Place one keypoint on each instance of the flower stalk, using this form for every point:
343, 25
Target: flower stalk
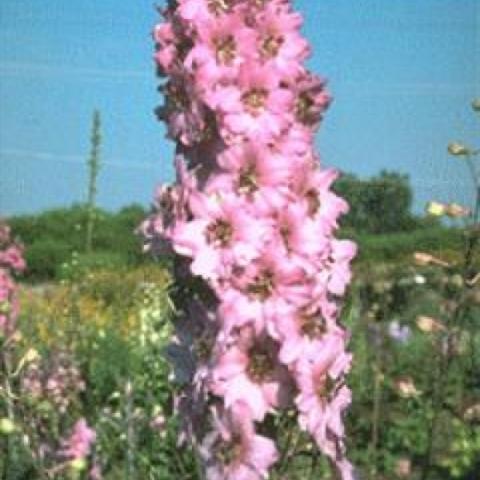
251, 220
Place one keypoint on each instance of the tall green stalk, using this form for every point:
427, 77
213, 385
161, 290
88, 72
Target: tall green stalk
93, 171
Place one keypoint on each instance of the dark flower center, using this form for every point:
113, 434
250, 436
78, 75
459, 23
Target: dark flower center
228, 452
176, 97
219, 232
313, 200
225, 49
303, 108
313, 325
254, 100
219, 6
326, 387
203, 346
261, 364
247, 182
262, 286
271, 45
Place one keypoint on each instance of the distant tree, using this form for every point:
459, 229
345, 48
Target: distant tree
93, 170
379, 204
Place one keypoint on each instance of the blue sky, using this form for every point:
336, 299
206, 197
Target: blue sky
402, 72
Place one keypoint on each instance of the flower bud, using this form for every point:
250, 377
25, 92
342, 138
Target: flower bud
4, 307
457, 280
454, 210
158, 423
7, 427
78, 464
472, 413
436, 209
31, 355
403, 468
429, 324
406, 388
423, 259
17, 337
457, 149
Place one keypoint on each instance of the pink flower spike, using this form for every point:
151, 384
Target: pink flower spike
80, 442
251, 219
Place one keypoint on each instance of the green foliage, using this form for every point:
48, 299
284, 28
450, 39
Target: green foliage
45, 257
397, 246
53, 236
380, 204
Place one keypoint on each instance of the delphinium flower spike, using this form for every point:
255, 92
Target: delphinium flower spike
252, 220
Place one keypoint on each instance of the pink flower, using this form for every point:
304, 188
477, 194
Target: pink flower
11, 261
257, 107
251, 367
4, 234
323, 205
263, 291
183, 111
12, 258
80, 442
197, 11
95, 472
302, 234
279, 41
233, 451
167, 52
340, 272
254, 165
312, 99
223, 45
323, 397
221, 234
158, 423
302, 333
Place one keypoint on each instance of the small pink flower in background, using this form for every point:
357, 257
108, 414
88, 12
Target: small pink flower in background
11, 263
158, 423
403, 467
12, 258
55, 378
95, 472
79, 444
4, 234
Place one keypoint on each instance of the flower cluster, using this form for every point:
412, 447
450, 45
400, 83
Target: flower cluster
56, 379
78, 446
252, 218
11, 263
